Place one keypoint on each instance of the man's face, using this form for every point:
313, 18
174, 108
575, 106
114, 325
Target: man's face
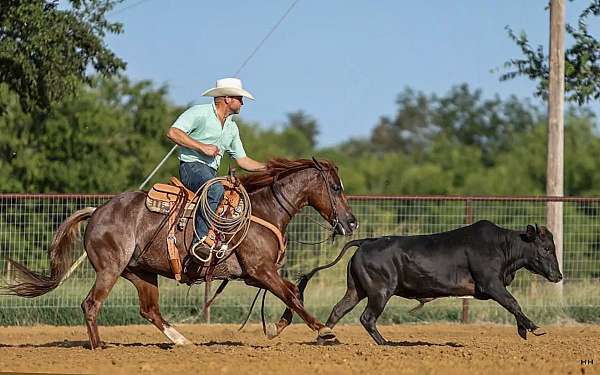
234, 103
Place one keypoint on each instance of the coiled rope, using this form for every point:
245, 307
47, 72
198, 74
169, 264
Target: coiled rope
227, 227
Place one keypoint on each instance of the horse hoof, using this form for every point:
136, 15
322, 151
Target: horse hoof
323, 342
271, 331
183, 342
326, 333
538, 332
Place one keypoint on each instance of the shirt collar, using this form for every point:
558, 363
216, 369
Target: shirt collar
227, 119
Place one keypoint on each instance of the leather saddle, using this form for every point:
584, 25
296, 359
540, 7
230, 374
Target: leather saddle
179, 203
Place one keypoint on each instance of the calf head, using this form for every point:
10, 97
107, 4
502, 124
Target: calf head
541, 256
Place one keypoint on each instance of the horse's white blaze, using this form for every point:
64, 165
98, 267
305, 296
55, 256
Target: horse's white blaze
176, 337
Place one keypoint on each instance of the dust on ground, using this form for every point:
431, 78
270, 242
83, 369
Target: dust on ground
221, 349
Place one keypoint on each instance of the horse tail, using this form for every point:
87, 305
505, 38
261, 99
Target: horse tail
304, 279
30, 284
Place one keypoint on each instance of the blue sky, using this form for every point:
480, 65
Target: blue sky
342, 62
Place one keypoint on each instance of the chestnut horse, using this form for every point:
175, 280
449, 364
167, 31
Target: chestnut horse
123, 238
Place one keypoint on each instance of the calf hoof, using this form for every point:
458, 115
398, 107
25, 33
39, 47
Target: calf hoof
522, 332
271, 331
538, 331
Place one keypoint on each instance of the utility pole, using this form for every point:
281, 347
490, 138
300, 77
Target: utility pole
556, 94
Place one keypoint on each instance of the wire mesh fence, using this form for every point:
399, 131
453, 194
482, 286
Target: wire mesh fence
28, 222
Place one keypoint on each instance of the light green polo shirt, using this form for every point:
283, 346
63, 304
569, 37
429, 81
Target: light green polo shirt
201, 123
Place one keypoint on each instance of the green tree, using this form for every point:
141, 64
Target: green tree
106, 138
462, 116
304, 124
46, 52
582, 61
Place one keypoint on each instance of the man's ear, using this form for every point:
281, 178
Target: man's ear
529, 235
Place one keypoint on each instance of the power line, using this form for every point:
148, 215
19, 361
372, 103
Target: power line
259, 45
117, 11
266, 37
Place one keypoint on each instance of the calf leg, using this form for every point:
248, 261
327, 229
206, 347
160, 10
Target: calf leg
353, 295
147, 287
347, 303
499, 294
343, 307
375, 306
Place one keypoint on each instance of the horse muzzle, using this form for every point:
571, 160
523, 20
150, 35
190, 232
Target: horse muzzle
346, 227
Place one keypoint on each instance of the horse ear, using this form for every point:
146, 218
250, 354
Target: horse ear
319, 166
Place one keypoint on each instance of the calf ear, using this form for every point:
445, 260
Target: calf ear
529, 234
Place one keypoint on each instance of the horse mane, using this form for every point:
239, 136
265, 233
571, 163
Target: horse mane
257, 180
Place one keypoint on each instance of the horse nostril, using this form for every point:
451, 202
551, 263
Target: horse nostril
352, 223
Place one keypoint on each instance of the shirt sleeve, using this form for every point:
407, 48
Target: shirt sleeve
236, 148
187, 121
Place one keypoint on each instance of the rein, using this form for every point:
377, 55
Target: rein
283, 202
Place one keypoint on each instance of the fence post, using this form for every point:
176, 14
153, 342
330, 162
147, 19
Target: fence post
555, 155
206, 309
468, 220
9, 272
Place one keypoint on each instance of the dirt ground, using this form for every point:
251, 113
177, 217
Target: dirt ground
220, 349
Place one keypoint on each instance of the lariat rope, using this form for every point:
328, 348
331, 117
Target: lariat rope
228, 227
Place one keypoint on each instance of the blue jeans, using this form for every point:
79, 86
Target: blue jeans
193, 175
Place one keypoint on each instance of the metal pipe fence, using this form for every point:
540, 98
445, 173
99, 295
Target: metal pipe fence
28, 222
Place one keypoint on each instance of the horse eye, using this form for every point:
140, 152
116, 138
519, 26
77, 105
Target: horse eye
336, 188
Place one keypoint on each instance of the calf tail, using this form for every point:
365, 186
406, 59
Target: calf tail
304, 279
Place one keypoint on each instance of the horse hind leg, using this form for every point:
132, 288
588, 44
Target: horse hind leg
91, 305
146, 284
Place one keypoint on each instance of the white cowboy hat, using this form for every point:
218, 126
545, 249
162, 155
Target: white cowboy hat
228, 87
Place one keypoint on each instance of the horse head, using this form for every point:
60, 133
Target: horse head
327, 196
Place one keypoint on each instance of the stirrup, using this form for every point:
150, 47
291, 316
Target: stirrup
193, 252
221, 252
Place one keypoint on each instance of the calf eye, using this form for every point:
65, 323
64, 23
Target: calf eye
336, 188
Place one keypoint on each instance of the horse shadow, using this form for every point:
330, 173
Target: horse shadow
391, 343
422, 343
86, 345
108, 345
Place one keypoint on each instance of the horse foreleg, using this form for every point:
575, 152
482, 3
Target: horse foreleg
280, 288
275, 329
146, 284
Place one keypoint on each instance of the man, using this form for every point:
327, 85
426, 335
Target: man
203, 133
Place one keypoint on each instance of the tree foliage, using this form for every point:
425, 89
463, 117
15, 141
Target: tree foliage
46, 52
582, 60
109, 136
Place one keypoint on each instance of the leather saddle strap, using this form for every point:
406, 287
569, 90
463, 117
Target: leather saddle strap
275, 231
172, 249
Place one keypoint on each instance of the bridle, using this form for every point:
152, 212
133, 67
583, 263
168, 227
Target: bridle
285, 203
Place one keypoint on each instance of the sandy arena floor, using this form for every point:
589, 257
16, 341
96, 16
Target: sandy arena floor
220, 349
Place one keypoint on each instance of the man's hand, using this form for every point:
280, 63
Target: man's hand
250, 164
210, 150
184, 140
